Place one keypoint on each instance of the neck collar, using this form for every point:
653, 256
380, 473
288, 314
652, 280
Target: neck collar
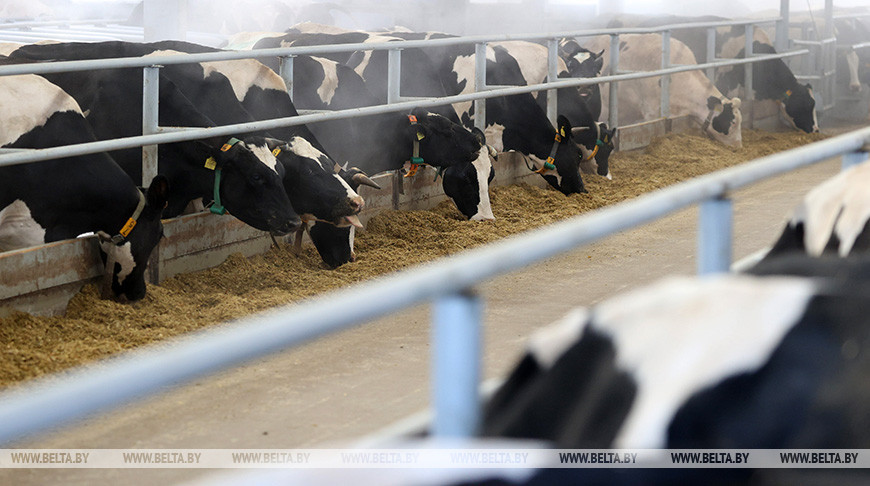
121, 237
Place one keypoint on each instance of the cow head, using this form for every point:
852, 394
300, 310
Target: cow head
333, 243
314, 186
799, 108
248, 182
595, 147
464, 157
725, 121
126, 252
581, 62
562, 168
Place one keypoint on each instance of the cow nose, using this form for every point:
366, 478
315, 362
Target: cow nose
357, 203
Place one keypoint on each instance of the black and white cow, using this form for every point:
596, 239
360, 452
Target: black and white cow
769, 361
855, 64
59, 199
772, 80
691, 93
385, 142
832, 218
244, 173
583, 63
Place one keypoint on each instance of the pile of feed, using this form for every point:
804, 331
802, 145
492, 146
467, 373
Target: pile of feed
94, 328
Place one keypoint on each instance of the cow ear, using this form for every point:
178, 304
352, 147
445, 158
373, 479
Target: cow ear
479, 135
158, 192
564, 127
713, 102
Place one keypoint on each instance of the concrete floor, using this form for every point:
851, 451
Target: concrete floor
359, 381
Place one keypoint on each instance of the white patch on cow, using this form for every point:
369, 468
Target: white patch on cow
532, 59
350, 236
351, 194
303, 148
244, 41
547, 344
582, 57
840, 205
264, 155
241, 73
315, 28
482, 166
327, 88
684, 334
18, 229
121, 255
494, 136
463, 66
27, 102
367, 56
852, 62
537, 163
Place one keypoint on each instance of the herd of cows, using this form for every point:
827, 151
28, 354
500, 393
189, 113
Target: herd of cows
305, 177
799, 323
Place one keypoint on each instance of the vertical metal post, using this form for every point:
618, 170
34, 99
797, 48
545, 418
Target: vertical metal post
853, 158
552, 75
714, 236
747, 71
613, 117
150, 110
285, 70
666, 79
782, 27
394, 75
480, 85
456, 364
711, 52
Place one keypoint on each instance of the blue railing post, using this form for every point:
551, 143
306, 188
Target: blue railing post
285, 70
714, 236
613, 90
666, 79
480, 85
552, 75
150, 110
456, 336
394, 75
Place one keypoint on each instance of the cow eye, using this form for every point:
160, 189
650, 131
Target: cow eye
256, 177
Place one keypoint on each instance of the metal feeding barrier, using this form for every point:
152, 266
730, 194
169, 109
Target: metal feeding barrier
44, 403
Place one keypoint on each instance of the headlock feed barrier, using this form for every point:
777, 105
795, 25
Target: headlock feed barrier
42, 403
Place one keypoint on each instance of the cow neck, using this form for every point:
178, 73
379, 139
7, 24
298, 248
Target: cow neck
416, 161
710, 116
210, 163
549, 164
121, 236
785, 96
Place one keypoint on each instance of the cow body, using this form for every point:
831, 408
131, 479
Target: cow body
691, 93
59, 199
831, 219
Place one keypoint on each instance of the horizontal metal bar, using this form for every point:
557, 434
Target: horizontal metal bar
46, 23
33, 406
311, 112
67, 66
227, 130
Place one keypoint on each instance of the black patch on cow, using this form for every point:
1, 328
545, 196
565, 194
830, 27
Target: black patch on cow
722, 122
586, 414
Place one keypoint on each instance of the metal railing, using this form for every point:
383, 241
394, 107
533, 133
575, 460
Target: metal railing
153, 134
448, 283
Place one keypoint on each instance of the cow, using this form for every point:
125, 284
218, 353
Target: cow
594, 139
59, 199
691, 92
831, 219
583, 63
242, 173
772, 80
771, 360
855, 64
385, 142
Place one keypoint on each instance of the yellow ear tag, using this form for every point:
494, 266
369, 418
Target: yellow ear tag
210, 163
276, 151
420, 136
128, 227
788, 92
562, 131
